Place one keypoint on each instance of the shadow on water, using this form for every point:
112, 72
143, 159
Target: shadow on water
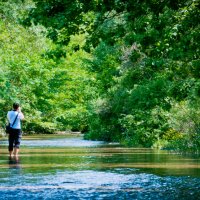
72, 168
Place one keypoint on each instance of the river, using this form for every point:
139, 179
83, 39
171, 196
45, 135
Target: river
68, 167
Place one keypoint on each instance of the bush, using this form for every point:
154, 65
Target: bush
185, 121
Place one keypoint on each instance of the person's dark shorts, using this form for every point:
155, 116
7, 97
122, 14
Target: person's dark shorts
14, 139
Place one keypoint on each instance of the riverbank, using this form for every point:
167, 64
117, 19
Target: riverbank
181, 146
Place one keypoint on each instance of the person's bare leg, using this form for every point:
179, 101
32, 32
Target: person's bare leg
10, 153
16, 157
16, 151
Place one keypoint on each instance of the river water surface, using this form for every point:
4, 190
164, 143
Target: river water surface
68, 167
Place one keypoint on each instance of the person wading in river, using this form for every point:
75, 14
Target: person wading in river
15, 116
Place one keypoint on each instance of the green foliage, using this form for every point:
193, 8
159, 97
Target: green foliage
172, 134
158, 66
48, 80
22, 67
188, 143
184, 119
102, 123
138, 84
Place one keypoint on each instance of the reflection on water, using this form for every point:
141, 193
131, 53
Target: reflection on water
46, 169
69, 142
59, 142
14, 162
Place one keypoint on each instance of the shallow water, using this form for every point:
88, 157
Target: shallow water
68, 167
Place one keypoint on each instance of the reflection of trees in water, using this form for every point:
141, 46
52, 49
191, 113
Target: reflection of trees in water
14, 162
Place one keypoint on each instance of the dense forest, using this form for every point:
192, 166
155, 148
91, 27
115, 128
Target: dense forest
124, 71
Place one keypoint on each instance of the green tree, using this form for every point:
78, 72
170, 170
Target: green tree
144, 56
48, 79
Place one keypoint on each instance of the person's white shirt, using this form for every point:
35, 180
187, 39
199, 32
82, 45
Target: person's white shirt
11, 118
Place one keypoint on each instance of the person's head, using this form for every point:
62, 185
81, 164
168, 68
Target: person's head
15, 106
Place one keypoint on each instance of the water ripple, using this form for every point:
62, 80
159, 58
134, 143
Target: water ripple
99, 185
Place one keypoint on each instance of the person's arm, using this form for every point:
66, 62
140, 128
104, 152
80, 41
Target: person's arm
21, 115
8, 116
